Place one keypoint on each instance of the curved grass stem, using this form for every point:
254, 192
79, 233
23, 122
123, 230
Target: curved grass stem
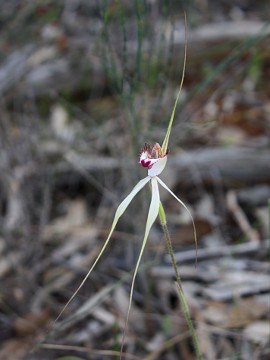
163, 221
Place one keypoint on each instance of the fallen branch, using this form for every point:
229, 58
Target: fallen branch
229, 165
216, 252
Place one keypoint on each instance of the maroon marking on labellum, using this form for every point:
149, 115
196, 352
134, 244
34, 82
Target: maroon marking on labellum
145, 163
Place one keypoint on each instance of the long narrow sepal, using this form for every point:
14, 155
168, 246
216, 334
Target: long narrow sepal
167, 136
119, 212
183, 204
152, 215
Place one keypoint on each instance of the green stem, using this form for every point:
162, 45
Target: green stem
163, 221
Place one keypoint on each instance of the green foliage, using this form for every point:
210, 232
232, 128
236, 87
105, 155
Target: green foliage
166, 326
255, 69
50, 12
43, 104
142, 61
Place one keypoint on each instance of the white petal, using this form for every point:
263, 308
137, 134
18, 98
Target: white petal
154, 207
153, 161
119, 212
181, 202
158, 167
143, 156
124, 204
152, 215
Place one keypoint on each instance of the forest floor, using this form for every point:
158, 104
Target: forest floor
83, 86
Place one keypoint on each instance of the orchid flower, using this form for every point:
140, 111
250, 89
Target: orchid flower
154, 159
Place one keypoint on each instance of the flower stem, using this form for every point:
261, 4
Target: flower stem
163, 221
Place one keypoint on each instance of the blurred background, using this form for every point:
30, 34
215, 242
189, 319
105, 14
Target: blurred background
83, 85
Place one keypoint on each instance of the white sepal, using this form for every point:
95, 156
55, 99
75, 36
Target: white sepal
119, 212
152, 215
157, 167
124, 204
183, 204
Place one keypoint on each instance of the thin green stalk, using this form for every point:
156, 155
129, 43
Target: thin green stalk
163, 221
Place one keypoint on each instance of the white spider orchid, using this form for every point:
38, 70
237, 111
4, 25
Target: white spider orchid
155, 160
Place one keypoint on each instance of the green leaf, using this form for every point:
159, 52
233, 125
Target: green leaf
167, 136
